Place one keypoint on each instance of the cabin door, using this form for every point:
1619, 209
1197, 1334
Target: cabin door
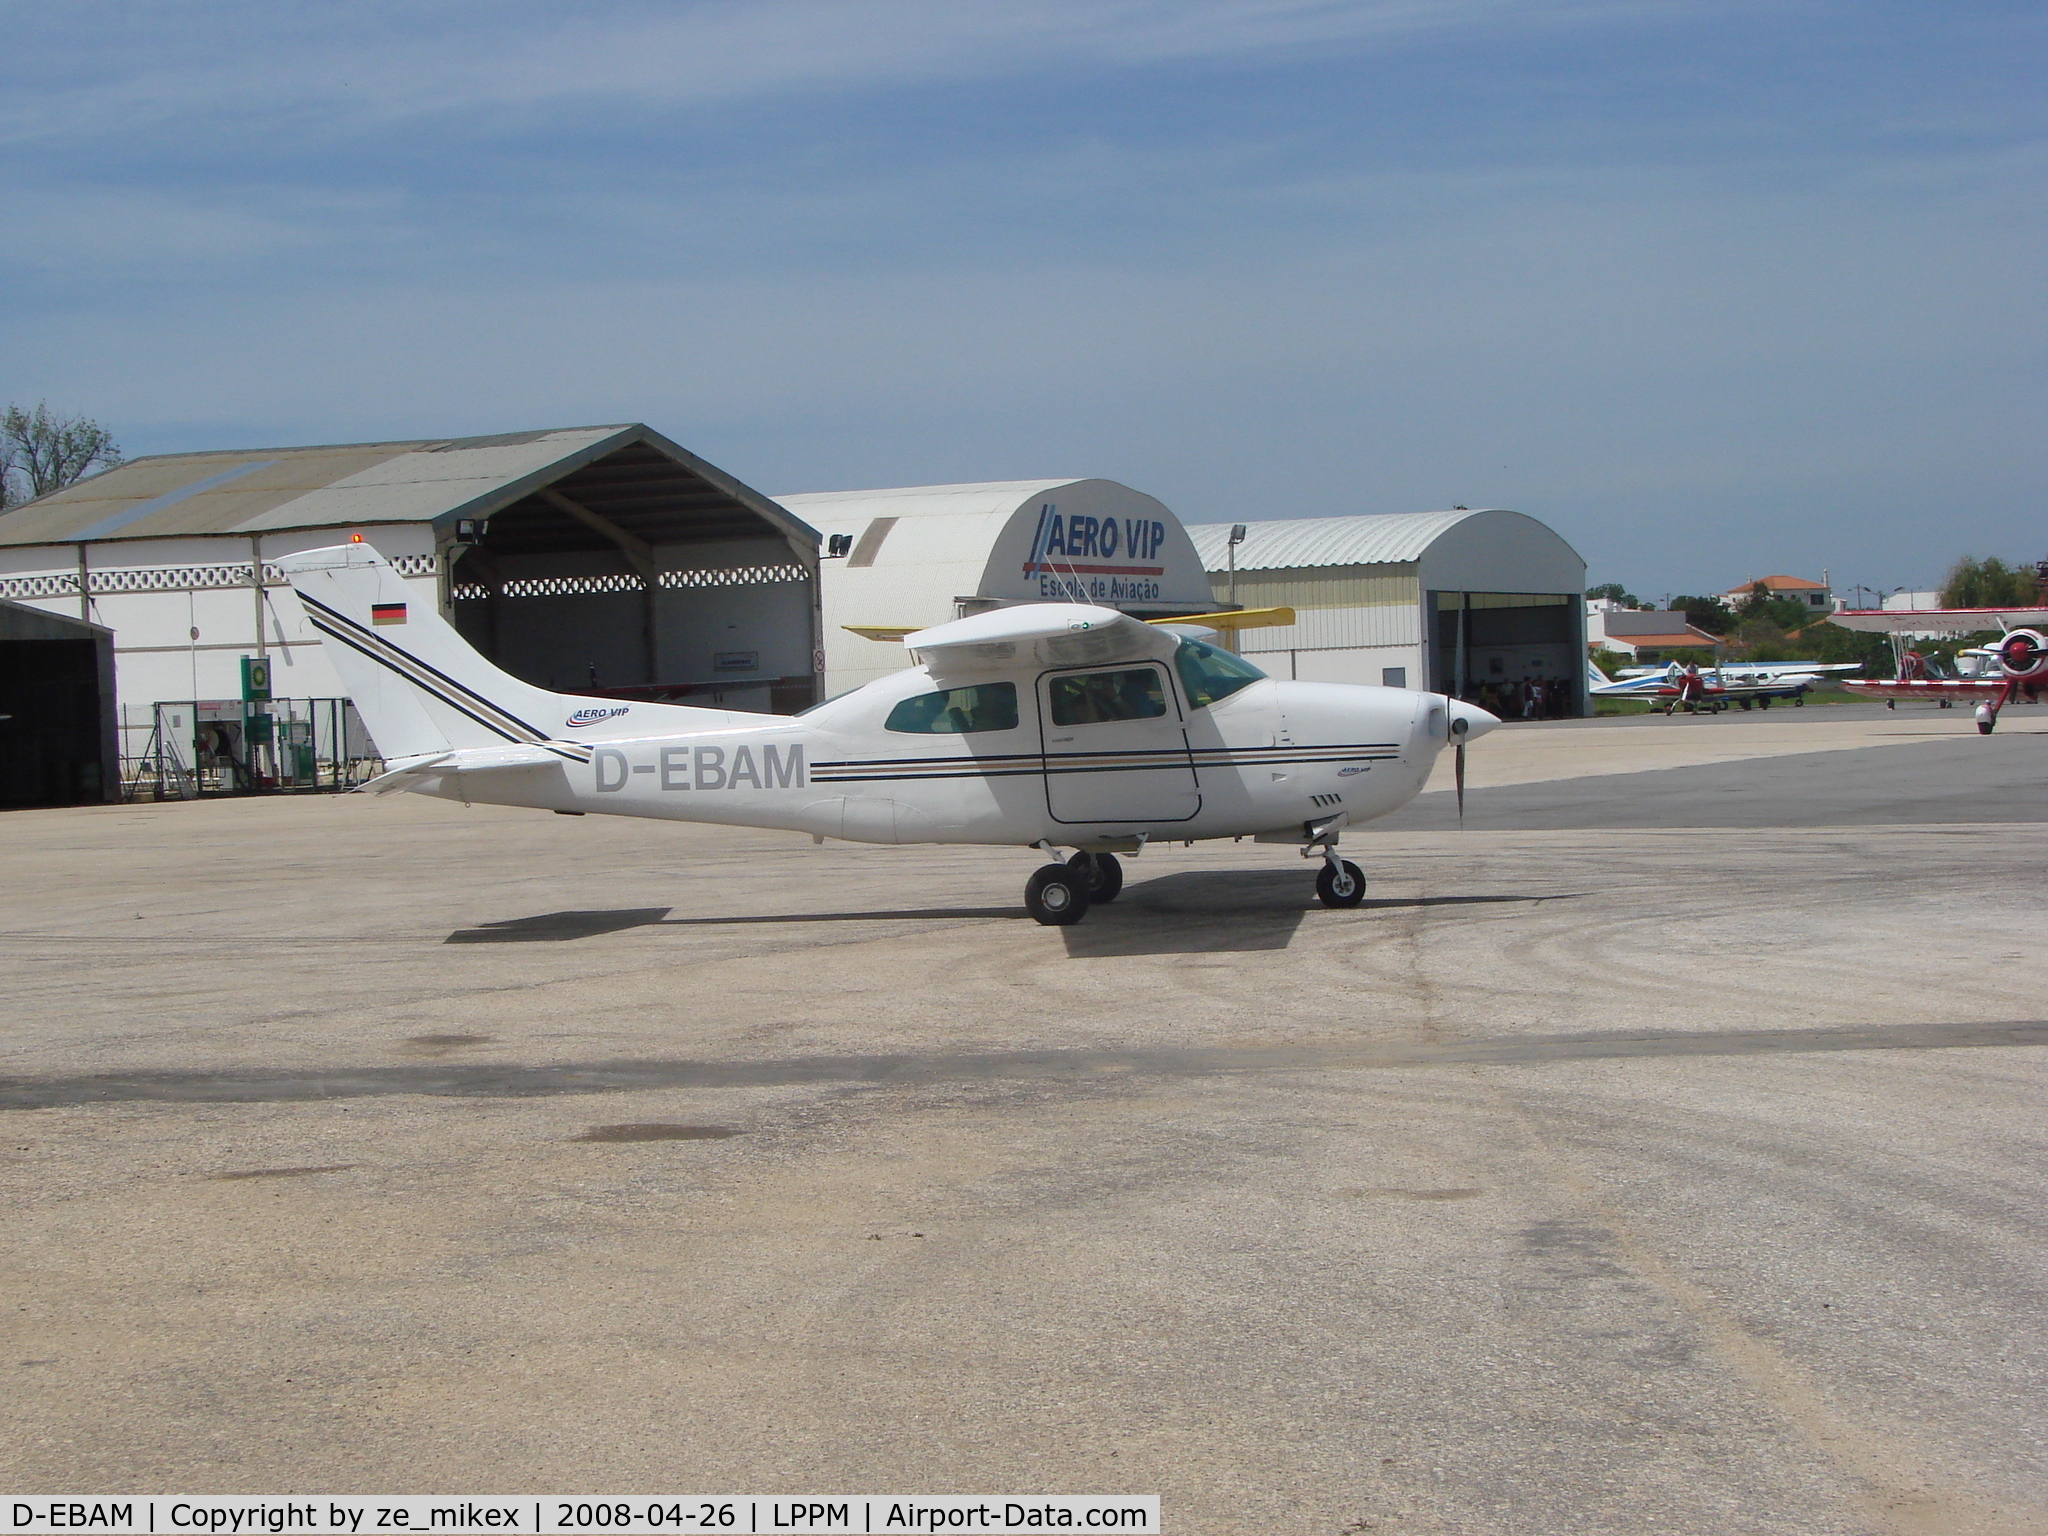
1115, 747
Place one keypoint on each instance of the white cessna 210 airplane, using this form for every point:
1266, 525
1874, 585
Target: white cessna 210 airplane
1045, 725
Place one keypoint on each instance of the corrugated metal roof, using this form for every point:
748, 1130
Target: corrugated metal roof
958, 523
984, 498
1297, 542
267, 490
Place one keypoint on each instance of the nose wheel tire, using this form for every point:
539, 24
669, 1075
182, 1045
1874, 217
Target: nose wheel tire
1056, 895
1341, 884
1103, 874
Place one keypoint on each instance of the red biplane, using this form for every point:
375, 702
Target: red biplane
2017, 664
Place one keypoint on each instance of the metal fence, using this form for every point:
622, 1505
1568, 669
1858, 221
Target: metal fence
228, 747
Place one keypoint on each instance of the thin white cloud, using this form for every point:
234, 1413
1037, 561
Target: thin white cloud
396, 60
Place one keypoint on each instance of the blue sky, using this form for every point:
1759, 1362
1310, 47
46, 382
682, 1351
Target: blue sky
1715, 289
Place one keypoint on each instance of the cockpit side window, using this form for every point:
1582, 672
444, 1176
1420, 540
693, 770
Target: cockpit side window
957, 711
1209, 674
1093, 698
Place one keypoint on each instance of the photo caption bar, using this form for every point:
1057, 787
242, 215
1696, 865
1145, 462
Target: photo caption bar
563, 1514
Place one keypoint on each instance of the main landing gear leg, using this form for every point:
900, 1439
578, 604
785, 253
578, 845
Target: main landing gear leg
1104, 873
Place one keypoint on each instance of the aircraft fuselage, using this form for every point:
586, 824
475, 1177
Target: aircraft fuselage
1275, 754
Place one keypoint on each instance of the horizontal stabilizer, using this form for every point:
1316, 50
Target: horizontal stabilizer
470, 760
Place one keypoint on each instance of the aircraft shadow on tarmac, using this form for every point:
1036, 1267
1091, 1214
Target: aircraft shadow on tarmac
553, 927
1204, 911
1189, 913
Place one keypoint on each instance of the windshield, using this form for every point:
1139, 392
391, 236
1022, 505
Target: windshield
1209, 674
822, 703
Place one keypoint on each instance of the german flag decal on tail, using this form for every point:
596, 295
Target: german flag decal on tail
387, 613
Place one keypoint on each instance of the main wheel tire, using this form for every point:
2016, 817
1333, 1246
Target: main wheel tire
1056, 895
1984, 727
1341, 885
1103, 872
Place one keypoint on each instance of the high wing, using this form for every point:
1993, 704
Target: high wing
1938, 621
1041, 634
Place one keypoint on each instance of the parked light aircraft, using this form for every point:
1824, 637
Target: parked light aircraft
2020, 656
1743, 683
1755, 671
1045, 725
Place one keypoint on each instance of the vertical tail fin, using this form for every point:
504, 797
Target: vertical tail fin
420, 687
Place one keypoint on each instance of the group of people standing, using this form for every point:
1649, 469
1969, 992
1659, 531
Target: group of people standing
1533, 698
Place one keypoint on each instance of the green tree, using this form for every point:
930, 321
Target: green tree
1780, 613
1990, 583
1614, 592
41, 452
1708, 613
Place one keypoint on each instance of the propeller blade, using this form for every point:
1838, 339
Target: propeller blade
1458, 769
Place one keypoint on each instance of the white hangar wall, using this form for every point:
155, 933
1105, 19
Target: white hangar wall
921, 555
570, 556
185, 611
1409, 599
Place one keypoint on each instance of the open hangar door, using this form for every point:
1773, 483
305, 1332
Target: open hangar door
56, 710
1484, 642
644, 574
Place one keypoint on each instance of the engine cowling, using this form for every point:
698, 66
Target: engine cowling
2023, 656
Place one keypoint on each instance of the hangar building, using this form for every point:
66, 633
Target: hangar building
57, 740
1448, 601
921, 555
589, 557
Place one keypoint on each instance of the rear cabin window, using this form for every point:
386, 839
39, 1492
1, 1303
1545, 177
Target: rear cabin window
1209, 674
1093, 698
957, 711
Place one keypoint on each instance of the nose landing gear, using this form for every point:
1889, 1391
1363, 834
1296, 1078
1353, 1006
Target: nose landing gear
1339, 883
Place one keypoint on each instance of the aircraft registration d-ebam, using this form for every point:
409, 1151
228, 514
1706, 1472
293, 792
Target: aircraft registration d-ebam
1044, 725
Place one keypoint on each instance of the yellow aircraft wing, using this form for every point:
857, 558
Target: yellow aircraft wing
1235, 618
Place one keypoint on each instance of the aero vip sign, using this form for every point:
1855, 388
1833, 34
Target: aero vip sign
1076, 557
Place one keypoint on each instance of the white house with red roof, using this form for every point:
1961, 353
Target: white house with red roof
1813, 594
